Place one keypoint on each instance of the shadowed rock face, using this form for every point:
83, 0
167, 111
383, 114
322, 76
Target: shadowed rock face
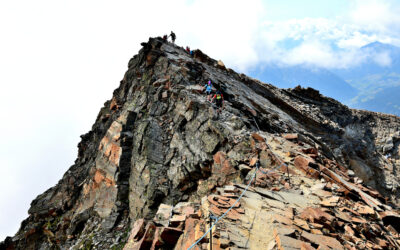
159, 159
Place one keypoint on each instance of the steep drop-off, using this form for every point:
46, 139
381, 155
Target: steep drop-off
159, 159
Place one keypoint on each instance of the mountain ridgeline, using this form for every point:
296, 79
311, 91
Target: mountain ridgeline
370, 85
159, 161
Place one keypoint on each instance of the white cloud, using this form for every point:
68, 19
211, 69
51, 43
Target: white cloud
373, 15
356, 40
333, 43
309, 52
383, 59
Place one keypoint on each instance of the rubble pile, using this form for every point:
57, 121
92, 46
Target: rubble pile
322, 209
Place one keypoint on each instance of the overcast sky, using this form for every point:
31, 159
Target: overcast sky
61, 60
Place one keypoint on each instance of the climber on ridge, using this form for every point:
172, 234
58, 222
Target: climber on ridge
208, 89
173, 36
165, 37
219, 101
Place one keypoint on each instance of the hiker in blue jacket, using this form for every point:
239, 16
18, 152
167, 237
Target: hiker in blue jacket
208, 89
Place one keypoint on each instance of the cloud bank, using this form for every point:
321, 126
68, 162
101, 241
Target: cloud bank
332, 43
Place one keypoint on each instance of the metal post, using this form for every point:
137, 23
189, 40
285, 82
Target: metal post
287, 166
210, 232
255, 175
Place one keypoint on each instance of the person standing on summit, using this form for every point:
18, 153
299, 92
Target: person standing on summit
173, 37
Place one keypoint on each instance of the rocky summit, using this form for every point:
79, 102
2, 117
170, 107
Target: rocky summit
276, 169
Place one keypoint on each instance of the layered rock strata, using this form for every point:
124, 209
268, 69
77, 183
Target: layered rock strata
159, 160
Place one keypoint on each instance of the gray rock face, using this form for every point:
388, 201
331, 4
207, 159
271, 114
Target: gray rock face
159, 141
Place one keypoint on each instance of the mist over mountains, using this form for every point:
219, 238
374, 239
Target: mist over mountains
372, 85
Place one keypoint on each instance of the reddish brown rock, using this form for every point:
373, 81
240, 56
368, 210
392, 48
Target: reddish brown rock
358, 220
316, 225
222, 169
330, 202
285, 242
303, 164
253, 161
170, 235
369, 200
177, 220
113, 104
258, 137
148, 237
349, 230
215, 210
315, 215
135, 242
288, 213
252, 111
281, 219
138, 229
302, 223
212, 200
382, 243
233, 214
322, 241
219, 157
349, 210
316, 231
343, 216
188, 210
312, 151
240, 210
290, 136
157, 241
365, 210
98, 176
190, 235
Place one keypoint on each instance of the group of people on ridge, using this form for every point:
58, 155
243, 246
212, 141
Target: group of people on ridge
172, 35
218, 97
208, 88
173, 38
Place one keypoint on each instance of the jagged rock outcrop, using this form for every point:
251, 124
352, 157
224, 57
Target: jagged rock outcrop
159, 160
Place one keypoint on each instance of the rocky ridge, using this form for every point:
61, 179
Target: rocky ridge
158, 161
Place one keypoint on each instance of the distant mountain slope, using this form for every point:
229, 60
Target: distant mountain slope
378, 84
385, 101
372, 85
325, 81
383, 70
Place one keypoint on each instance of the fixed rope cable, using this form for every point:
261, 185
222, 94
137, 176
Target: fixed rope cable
217, 219
227, 211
